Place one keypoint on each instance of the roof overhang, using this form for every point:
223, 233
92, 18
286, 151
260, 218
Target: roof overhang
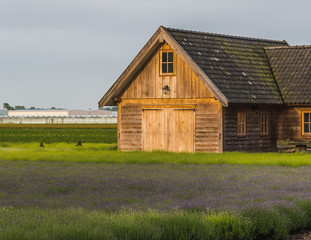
158, 38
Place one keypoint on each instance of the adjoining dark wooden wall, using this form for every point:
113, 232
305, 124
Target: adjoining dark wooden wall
290, 123
253, 141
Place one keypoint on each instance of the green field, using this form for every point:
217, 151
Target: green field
106, 153
47, 133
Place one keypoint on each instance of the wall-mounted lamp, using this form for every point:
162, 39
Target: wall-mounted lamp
166, 90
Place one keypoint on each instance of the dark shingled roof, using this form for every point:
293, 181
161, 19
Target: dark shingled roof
292, 70
238, 66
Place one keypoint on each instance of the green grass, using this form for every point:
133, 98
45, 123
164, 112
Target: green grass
79, 224
98, 152
58, 133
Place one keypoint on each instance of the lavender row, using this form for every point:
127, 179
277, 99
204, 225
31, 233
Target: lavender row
112, 187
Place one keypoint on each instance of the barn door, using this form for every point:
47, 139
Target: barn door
180, 130
168, 129
154, 126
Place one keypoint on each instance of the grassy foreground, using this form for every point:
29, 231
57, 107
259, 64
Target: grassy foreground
105, 153
52, 188
78, 224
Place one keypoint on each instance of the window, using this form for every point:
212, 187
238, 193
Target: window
167, 63
241, 124
306, 122
264, 123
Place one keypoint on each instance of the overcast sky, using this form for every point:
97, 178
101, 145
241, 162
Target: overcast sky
67, 53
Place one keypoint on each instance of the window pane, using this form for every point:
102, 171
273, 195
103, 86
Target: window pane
164, 67
164, 57
170, 68
306, 117
306, 128
170, 57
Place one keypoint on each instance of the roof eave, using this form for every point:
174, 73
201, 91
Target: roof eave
155, 41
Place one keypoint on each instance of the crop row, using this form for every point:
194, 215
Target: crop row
58, 134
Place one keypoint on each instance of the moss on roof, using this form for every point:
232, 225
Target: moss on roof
292, 70
238, 66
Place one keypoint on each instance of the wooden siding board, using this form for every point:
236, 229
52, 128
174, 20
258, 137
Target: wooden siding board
207, 129
130, 127
205, 126
253, 141
290, 123
158, 79
148, 83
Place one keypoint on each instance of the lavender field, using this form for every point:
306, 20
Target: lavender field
89, 199
111, 187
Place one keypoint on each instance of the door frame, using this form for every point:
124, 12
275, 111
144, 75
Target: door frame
165, 107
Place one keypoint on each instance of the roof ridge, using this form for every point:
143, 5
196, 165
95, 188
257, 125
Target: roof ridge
225, 35
288, 47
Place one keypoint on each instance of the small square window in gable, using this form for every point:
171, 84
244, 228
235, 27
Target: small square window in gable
167, 63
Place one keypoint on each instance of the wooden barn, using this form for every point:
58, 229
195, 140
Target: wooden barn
201, 92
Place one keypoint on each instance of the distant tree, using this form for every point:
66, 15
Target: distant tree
20, 107
7, 106
53, 108
32, 108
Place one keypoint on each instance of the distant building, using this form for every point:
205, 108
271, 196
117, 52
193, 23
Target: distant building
57, 117
37, 113
57, 113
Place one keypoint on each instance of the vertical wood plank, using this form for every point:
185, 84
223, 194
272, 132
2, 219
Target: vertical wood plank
180, 77
194, 86
187, 82
130, 91
158, 80
152, 79
139, 85
119, 126
173, 92
135, 86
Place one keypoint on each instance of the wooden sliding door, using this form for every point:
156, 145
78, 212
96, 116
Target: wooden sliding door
168, 129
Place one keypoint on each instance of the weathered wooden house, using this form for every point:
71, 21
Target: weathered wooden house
194, 91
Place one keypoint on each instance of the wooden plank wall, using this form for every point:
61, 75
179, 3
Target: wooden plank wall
130, 127
290, 123
207, 128
252, 141
208, 124
149, 83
